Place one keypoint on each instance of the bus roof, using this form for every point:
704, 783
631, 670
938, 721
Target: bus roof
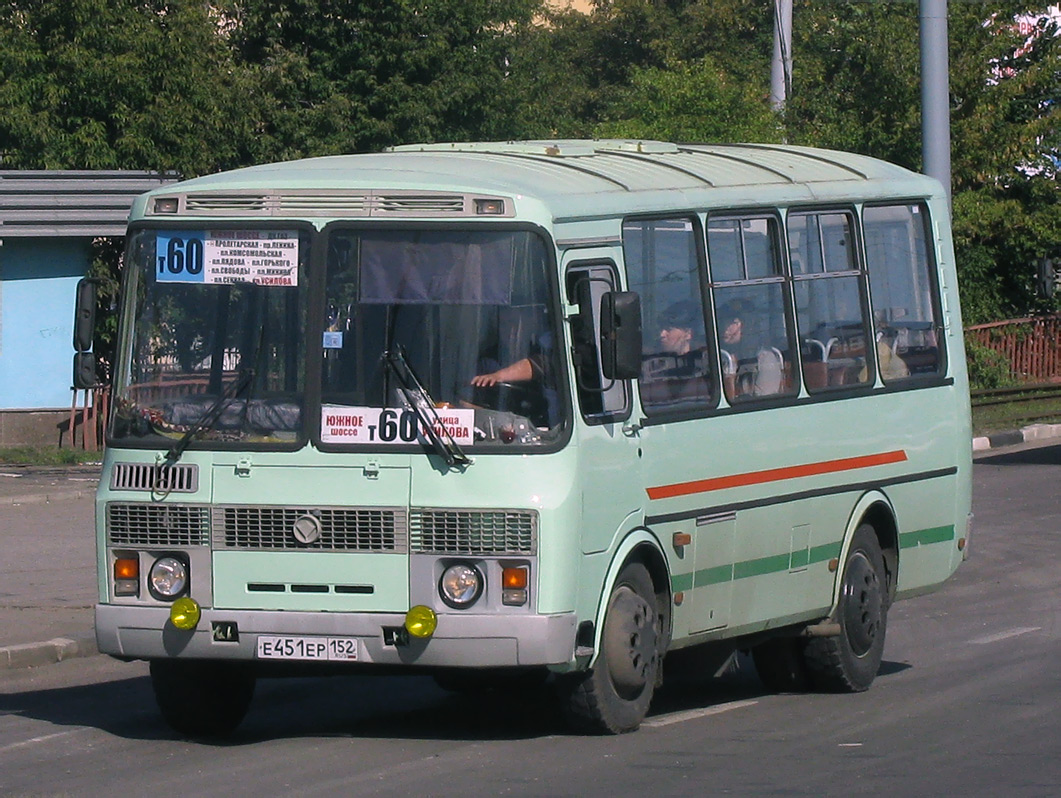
581, 177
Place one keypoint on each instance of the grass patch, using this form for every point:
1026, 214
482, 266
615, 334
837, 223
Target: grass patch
47, 456
990, 419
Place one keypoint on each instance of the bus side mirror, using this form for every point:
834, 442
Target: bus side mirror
85, 314
620, 334
85, 374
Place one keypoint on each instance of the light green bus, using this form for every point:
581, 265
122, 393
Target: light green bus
510, 412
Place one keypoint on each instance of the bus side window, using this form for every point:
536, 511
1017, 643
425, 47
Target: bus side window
903, 291
754, 334
663, 259
827, 281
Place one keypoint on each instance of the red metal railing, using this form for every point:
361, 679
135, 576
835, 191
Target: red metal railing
1032, 346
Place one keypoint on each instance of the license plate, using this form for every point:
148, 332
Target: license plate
307, 648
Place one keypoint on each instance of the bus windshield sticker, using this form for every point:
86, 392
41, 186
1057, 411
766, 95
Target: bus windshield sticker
391, 426
263, 257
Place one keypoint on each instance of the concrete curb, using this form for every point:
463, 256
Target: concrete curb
32, 655
1035, 432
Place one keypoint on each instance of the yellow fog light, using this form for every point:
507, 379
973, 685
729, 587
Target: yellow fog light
421, 621
184, 613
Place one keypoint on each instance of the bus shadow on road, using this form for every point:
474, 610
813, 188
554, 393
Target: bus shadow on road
1037, 455
370, 707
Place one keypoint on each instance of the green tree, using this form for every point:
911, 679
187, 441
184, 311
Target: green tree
692, 102
857, 87
349, 75
576, 71
104, 84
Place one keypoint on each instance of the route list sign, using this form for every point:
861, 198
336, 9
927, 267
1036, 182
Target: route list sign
391, 426
263, 257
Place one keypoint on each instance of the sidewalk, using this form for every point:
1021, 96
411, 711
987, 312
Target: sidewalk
36, 613
47, 573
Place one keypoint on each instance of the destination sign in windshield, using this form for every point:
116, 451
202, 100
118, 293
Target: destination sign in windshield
263, 257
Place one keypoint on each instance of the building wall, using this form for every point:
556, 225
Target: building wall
38, 279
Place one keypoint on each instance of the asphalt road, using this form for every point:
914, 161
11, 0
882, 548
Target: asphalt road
968, 702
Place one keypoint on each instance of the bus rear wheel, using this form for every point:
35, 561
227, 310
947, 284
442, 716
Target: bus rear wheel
849, 662
202, 699
614, 696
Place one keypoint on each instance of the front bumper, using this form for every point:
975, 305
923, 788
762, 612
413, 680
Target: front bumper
461, 640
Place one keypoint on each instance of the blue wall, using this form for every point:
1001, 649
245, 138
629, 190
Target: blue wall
38, 280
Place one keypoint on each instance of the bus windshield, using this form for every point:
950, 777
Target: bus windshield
471, 315
212, 340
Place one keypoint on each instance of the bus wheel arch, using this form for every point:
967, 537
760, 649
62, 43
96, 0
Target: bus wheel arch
633, 629
848, 661
881, 517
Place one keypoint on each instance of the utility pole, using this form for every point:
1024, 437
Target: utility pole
781, 64
935, 92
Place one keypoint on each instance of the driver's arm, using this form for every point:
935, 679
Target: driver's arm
520, 371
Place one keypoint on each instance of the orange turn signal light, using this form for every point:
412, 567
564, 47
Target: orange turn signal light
514, 578
127, 568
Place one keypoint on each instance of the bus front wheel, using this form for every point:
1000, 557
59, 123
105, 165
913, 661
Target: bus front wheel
199, 698
614, 696
849, 662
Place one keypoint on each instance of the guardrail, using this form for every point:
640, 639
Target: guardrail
1032, 346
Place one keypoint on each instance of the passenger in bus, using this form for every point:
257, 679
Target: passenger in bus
676, 356
748, 369
892, 366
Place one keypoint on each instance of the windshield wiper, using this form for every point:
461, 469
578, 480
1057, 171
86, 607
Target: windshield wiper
424, 407
210, 415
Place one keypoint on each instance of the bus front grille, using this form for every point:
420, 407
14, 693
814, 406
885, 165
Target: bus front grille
158, 478
157, 524
480, 532
377, 529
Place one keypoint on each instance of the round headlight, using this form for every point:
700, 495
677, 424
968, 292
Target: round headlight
168, 578
460, 585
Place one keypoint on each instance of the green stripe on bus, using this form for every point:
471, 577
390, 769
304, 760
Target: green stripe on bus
924, 537
824, 553
681, 582
759, 567
797, 559
713, 576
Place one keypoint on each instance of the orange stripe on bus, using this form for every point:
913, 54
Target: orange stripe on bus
775, 475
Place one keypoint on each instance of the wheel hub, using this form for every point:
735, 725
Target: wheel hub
630, 642
862, 604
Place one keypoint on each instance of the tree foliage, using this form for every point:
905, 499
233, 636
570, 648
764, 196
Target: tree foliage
201, 86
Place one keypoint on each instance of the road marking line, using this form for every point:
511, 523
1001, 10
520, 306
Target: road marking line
43, 739
995, 638
693, 714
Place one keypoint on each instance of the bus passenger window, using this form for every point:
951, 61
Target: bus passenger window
827, 282
903, 291
662, 265
754, 337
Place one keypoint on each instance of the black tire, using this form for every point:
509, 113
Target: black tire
614, 696
849, 662
781, 665
202, 699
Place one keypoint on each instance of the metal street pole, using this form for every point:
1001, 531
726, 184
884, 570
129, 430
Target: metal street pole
935, 92
781, 63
